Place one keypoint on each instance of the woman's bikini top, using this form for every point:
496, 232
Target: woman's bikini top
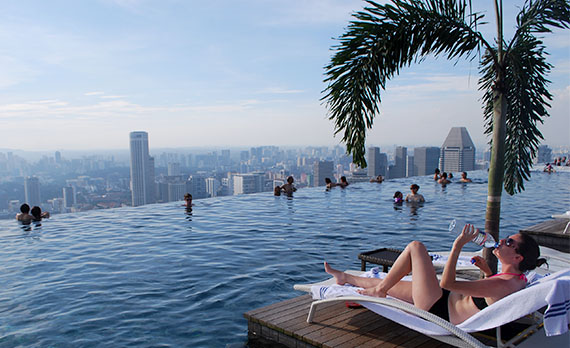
480, 302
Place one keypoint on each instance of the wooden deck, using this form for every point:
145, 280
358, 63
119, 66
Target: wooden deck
551, 234
334, 325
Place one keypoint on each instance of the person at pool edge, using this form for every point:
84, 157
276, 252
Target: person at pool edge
288, 188
24, 214
398, 198
188, 200
451, 299
464, 177
38, 215
343, 183
415, 196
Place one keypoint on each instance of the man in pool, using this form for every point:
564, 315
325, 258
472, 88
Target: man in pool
24, 214
188, 200
288, 188
415, 197
464, 177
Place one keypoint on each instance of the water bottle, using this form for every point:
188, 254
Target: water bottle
481, 239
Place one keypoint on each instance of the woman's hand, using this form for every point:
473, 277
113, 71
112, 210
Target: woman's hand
480, 262
467, 234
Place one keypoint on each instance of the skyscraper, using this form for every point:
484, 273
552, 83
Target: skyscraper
69, 197
322, 170
457, 152
426, 159
398, 170
377, 162
32, 190
142, 170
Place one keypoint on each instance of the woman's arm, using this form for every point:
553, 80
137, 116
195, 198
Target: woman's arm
448, 277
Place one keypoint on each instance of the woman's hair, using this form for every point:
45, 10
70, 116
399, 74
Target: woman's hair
328, 180
398, 194
530, 252
37, 212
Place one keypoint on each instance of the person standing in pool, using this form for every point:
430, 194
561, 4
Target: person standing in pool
443, 180
288, 188
37, 214
24, 214
330, 184
464, 177
436, 174
343, 183
188, 200
415, 197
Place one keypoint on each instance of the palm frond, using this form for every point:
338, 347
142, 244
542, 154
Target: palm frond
384, 39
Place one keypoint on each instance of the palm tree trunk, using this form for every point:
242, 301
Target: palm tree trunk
496, 170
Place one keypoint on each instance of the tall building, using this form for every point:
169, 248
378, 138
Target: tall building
457, 153
212, 186
248, 183
142, 170
173, 169
377, 162
544, 154
398, 170
322, 170
69, 198
32, 191
410, 167
426, 159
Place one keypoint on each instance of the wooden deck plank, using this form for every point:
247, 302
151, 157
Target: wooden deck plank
334, 326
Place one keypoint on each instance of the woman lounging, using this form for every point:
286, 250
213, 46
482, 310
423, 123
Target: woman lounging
451, 299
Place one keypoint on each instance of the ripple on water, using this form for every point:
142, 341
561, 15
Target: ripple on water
156, 276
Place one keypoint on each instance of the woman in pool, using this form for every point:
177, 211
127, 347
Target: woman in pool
451, 299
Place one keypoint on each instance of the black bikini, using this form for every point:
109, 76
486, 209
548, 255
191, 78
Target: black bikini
441, 308
479, 302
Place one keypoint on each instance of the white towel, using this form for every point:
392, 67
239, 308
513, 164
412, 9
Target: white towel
557, 314
552, 290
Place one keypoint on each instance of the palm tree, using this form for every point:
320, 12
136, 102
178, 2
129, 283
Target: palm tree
385, 38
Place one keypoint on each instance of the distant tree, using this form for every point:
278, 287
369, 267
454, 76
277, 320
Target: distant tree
385, 38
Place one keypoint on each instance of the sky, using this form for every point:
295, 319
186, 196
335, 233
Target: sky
81, 75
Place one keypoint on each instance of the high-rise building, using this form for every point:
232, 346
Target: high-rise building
32, 191
426, 159
142, 170
212, 185
173, 169
377, 162
544, 154
322, 170
410, 167
457, 153
398, 170
69, 198
248, 183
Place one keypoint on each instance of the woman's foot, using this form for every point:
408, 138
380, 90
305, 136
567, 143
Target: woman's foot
339, 276
375, 291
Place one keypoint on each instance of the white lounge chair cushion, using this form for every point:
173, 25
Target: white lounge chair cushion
552, 291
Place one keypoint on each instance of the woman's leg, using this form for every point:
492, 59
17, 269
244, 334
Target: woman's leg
423, 291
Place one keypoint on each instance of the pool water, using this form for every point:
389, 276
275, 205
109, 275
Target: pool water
156, 276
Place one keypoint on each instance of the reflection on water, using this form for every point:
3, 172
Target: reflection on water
158, 275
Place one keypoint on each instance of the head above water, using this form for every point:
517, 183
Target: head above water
187, 197
328, 180
24, 208
398, 194
290, 180
414, 187
444, 175
437, 171
464, 175
343, 178
37, 212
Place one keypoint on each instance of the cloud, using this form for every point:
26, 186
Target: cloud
278, 90
94, 93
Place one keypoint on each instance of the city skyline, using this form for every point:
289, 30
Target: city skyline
222, 74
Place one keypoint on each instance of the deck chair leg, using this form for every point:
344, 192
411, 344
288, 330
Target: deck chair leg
312, 312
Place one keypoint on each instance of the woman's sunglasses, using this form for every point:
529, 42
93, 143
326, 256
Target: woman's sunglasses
511, 243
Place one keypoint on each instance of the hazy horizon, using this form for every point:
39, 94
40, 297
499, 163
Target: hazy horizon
82, 75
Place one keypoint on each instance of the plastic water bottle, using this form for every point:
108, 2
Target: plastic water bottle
481, 239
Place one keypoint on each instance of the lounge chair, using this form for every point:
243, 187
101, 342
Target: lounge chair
552, 292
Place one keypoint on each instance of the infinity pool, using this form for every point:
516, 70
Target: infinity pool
155, 276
